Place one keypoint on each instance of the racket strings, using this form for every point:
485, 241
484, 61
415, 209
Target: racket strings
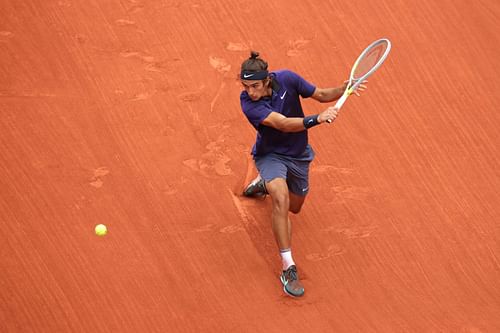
370, 60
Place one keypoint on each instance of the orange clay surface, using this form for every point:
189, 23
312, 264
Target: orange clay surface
127, 113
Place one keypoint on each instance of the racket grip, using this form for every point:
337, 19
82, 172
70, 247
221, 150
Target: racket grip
339, 104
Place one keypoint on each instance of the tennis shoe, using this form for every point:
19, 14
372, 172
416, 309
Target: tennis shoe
256, 188
291, 283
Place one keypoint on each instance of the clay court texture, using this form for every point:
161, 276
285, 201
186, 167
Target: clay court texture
127, 113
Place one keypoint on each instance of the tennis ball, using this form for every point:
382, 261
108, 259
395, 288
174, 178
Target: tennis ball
101, 230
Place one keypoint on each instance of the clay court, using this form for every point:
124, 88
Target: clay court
127, 113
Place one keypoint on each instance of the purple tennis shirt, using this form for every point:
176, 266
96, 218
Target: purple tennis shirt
287, 89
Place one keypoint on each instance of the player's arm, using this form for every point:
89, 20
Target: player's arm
325, 95
294, 124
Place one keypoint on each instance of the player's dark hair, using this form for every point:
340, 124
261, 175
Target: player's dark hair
255, 68
254, 63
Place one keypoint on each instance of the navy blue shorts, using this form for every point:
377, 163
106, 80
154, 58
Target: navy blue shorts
294, 169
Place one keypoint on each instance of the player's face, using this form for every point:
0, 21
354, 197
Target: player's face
256, 89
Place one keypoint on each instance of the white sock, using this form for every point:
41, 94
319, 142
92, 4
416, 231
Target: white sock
286, 258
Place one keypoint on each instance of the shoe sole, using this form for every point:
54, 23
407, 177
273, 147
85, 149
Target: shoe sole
254, 195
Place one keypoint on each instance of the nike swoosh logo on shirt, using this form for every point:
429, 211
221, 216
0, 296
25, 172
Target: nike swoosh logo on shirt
283, 96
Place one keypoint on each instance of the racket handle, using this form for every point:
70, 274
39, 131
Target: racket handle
339, 104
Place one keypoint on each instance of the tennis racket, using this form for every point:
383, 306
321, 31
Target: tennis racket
367, 63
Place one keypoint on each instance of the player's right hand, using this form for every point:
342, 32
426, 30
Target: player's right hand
328, 115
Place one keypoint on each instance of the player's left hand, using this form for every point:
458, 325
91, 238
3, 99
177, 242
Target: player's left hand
362, 87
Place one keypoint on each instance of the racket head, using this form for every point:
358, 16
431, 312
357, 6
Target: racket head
367, 63
370, 60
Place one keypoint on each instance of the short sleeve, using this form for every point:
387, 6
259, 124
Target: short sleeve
304, 88
255, 111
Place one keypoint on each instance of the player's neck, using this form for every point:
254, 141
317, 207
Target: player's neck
269, 91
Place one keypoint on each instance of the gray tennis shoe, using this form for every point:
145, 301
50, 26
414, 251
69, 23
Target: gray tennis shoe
256, 189
291, 283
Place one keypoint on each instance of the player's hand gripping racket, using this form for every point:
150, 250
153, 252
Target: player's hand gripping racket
366, 64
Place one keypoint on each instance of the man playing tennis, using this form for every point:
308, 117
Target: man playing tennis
271, 102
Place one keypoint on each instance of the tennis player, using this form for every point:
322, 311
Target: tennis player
282, 154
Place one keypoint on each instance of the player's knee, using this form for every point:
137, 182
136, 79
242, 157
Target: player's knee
281, 201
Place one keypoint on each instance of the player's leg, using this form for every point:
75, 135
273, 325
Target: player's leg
295, 205
273, 170
278, 190
282, 229
296, 202
298, 187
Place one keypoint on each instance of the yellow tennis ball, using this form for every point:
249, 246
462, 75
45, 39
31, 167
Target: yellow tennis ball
101, 230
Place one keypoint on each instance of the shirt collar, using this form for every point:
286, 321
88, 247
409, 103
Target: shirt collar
275, 86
